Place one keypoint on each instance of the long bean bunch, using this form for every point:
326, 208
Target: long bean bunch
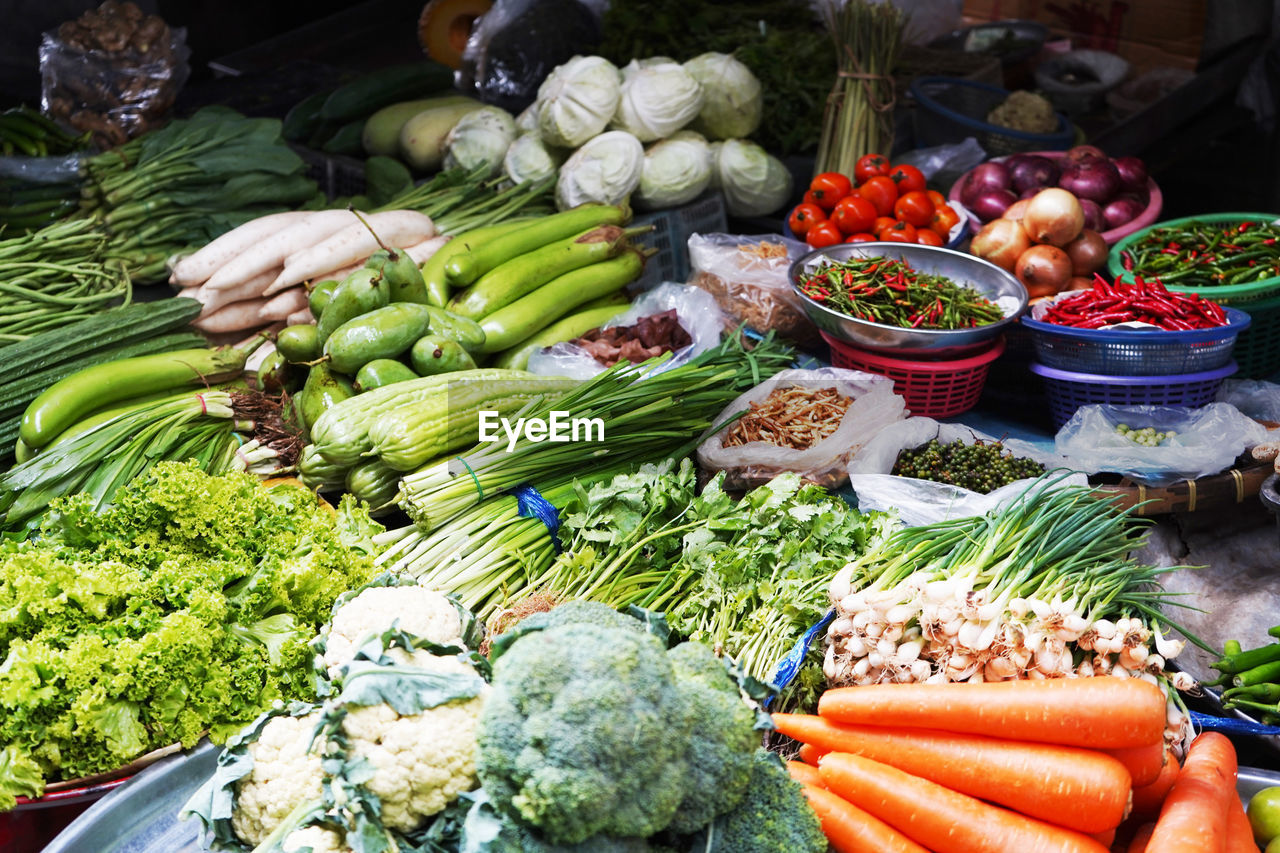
890, 292
1202, 254
55, 276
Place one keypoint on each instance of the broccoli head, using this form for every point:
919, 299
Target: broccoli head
773, 817
723, 740
584, 733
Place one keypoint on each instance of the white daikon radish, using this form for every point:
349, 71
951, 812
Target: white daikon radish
284, 303
215, 299
423, 251
301, 317
394, 228
271, 251
198, 266
235, 317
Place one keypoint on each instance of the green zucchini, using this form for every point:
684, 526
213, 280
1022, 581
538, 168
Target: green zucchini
303, 118
433, 270
130, 323
566, 329
384, 87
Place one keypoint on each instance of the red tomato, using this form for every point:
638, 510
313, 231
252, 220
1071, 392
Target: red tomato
944, 219
810, 198
882, 192
883, 222
823, 234
929, 237
854, 213
869, 166
899, 232
862, 237
829, 187
936, 197
803, 217
908, 178
914, 207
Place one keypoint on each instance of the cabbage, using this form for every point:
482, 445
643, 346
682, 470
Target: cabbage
577, 100
607, 169
656, 100
755, 183
527, 121
480, 138
676, 171
732, 104
529, 159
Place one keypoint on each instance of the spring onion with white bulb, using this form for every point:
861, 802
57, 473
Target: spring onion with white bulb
1042, 588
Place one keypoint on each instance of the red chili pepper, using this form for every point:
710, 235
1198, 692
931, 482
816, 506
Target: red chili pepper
1243, 227
1127, 260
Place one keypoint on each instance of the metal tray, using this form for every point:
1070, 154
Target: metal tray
141, 816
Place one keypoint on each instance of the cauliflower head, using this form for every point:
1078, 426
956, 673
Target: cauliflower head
315, 839
286, 773
583, 734
419, 611
421, 762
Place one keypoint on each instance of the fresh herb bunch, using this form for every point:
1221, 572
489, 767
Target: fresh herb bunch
781, 41
979, 467
890, 292
1201, 254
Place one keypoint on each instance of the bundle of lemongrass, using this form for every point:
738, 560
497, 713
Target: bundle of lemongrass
1043, 588
859, 116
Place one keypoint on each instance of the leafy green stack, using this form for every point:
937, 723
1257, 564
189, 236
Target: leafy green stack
190, 182
185, 609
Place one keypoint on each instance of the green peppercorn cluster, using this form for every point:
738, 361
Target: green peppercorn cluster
981, 467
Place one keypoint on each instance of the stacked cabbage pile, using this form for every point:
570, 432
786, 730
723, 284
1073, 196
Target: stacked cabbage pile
657, 131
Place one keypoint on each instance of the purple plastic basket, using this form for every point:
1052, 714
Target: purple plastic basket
1068, 391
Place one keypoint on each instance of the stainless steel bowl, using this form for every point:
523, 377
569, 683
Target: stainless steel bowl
984, 277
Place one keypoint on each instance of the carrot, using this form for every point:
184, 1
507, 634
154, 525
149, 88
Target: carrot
1239, 831
1097, 713
1144, 763
849, 829
1077, 788
1142, 838
805, 774
1106, 839
1194, 818
943, 820
810, 754
1148, 799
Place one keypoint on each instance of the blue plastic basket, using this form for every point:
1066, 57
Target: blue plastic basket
948, 109
1067, 390
1135, 352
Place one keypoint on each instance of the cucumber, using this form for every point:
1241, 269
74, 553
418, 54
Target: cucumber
434, 354
303, 118
298, 344
566, 329
324, 389
378, 89
359, 293
464, 268
321, 293
382, 371
382, 333
346, 139
433, 270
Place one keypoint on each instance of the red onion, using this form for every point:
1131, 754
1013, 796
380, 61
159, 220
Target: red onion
1132, 171
1093, 219
1121, 211
1097, 180
1033, 172
992, 205
1029, 192
985, 178
1082, 153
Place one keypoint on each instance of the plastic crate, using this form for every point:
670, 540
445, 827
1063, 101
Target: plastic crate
1258, 347
934, 389
1068, 390
948, 109
670, 236
1133, 352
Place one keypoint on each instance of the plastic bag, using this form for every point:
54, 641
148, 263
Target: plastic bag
1253, 397
924, 501
42, 170
696, 310
517, 43
1206, 441
113, 71
753, 285
958, 157
874, 407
